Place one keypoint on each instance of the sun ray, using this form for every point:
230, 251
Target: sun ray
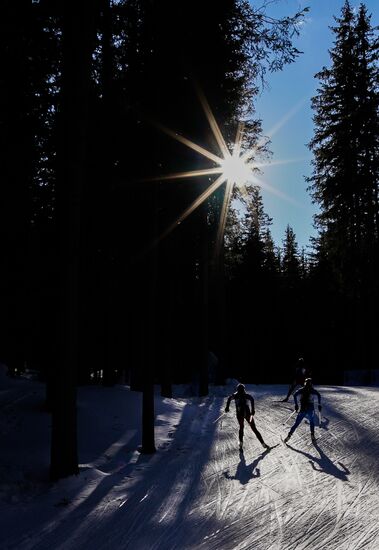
195, 204
249, 154
212, 123
189, 174
243, 190
274, 191
279, 162
238, 140
190, 144
287, 117
223, 217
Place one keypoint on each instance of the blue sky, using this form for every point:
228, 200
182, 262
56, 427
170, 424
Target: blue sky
287, 100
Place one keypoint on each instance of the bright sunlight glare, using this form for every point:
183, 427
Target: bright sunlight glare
233, 167
235, 170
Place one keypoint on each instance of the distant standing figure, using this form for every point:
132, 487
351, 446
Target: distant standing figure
242, 401
301, 373
306, 395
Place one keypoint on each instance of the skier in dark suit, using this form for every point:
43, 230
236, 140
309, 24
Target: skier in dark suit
243, 402
306, 396
301, 373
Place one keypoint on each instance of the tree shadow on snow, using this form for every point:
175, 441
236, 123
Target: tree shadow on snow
244, 471
324, 464
339, 389
136, 516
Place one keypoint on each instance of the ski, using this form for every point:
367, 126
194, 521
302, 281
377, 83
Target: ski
306, 442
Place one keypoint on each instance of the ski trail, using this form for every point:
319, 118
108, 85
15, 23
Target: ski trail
368, 538
199, 492
279, 522
325, 506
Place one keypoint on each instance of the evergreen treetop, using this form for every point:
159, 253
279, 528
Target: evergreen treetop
345, 146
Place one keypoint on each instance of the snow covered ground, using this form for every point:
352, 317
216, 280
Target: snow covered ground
197, 491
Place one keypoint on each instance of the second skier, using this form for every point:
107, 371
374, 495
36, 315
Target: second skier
242, 401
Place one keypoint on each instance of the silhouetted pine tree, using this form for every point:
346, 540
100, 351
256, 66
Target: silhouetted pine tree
292, 308
78, 39
326, 324
16, 140
271, 260
252, 270
345, 177
45, 55
290, 261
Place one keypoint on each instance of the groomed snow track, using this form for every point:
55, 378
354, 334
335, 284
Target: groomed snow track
198, 490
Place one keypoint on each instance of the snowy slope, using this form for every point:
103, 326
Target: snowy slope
197, 491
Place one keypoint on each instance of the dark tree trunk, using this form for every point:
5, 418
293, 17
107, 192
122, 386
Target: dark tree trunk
16, 151
150, 325
106, 184
149, 351
148, 435
169, 320
78, 28
203, 304
218, 317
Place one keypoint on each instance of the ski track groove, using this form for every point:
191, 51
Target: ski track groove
207, 496
279, 536
358, 544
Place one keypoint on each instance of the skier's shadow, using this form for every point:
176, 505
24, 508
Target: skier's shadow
324, 463
244, 471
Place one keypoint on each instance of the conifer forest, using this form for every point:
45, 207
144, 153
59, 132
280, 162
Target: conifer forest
130, 248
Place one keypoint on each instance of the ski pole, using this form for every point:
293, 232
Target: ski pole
217, 419
290, 416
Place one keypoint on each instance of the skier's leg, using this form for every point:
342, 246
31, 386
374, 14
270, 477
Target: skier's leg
298, 420
290, 390
257, 433
241, 421
311, 415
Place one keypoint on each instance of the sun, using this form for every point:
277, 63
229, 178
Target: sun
232, 167
235, 170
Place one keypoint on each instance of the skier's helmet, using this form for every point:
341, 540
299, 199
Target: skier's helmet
240, 388
308, 383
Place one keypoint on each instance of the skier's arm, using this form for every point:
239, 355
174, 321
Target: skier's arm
251, 399
228, 403
315, 392
295, 398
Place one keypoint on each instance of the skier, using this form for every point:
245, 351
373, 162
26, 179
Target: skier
301, 373
241, 399
306, 395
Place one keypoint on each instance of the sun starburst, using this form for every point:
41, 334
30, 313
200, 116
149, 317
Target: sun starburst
233, 166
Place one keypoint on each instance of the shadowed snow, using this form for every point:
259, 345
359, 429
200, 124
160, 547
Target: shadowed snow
198, 490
